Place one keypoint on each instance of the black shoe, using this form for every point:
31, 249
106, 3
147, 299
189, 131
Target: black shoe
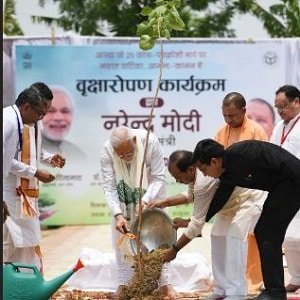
271, 295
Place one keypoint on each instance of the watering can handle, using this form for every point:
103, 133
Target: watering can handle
20, 265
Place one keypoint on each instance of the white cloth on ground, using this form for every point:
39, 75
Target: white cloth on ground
190, 272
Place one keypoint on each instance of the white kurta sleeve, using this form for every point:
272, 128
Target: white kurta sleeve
46, 157
156, 171
204, 190
109, 180
20, 169
9, 145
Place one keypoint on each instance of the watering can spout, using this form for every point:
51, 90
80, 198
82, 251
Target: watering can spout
51, 286
31, 285
78, 266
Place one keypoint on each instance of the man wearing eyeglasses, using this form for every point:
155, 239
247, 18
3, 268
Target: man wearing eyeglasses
121, 165
21, 231
286, 134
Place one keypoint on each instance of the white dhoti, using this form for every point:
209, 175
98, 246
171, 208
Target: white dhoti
229, 240
21, 231
125, 269
15, 249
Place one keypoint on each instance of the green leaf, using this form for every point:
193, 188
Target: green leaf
166, 33
146, 42
175, 23
146, 11
142, 28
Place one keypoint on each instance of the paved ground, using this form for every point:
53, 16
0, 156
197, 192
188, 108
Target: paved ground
62, 246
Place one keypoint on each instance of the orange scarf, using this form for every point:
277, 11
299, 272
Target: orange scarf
28, 189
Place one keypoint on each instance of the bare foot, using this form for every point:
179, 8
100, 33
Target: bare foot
167, 292
291, 288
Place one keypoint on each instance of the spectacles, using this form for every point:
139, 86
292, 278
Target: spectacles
39, 112
282, 106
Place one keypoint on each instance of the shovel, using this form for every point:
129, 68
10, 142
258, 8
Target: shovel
132, 236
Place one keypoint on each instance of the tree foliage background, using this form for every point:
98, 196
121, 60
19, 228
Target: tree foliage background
203, 18
10, 23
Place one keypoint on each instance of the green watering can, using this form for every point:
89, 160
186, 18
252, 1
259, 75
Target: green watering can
25, 282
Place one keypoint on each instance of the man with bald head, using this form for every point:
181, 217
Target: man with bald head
245, 275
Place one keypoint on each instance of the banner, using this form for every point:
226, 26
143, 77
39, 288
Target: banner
113, 82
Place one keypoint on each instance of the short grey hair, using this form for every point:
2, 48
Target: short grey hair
120, 135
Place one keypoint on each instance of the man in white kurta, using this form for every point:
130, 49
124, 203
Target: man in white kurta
287, 135
121, 163
21, 231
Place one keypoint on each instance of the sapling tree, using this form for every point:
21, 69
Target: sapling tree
161, 21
